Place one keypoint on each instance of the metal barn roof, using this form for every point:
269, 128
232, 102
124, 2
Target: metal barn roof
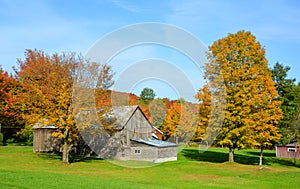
154, 142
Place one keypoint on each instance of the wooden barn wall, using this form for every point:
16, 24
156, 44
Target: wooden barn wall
167, 152
138, 127
149, 153
282, 151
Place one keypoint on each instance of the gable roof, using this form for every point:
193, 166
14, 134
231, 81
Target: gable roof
122, 114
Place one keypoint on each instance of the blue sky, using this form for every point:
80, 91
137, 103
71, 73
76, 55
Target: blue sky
56, 26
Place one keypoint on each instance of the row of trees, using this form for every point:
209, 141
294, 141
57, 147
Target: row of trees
260, 105
42, 92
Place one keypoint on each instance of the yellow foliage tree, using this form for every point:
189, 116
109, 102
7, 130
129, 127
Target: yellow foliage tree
203, 96
252, 110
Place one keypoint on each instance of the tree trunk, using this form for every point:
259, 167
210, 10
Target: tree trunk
261, 156
231, 154
66, 150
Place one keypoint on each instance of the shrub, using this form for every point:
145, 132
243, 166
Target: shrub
26, 134
11, 140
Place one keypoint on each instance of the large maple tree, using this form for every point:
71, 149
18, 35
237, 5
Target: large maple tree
252, 110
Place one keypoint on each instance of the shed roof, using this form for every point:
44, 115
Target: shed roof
41, 126
154, 142
287, 145
44, 124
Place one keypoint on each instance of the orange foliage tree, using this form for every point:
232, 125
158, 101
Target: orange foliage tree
158, 111
10, 108
179, 122
48, 82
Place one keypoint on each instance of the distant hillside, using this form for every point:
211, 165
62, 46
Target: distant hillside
115, 98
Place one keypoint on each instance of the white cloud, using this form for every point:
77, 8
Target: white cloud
127, 6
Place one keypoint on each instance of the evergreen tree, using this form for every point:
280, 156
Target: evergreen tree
288, 93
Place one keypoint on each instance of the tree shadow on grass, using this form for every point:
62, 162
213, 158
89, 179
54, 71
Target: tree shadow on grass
282, 161
75, 158
221, 157
47, 156
72, 158
208, 156
265, 154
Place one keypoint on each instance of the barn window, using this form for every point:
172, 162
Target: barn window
292, 150
137, 151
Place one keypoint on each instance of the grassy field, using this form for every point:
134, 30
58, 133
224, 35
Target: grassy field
21, 168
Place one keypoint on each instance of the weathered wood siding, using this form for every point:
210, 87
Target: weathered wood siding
43, 140
149, 153
137, 127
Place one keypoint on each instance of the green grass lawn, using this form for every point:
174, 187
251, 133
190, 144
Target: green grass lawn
21, 168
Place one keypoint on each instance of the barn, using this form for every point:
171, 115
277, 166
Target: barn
139, 139
133, 138
287, 151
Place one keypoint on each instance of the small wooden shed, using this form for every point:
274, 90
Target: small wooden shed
43, 140
287, 151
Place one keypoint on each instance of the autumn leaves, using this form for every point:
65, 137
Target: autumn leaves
239, 87
252, 107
